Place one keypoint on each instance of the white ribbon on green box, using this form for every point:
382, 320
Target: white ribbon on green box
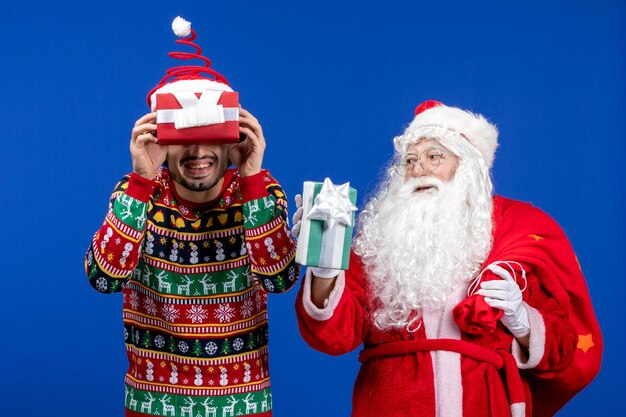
327, 224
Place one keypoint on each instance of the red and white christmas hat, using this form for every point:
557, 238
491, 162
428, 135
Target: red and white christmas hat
432, 116
196, 78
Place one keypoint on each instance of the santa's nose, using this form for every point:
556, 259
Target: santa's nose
419, 171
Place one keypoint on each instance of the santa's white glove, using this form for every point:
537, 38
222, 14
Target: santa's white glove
295, 230
297, 216
325, 273
506, 295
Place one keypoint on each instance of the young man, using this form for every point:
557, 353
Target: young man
463, 300
195, 247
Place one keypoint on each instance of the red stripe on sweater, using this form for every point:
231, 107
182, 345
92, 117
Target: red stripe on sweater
130, 413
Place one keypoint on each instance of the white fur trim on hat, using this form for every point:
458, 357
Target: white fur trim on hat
473, 127
197, 86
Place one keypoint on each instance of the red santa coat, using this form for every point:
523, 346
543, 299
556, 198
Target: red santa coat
441, 370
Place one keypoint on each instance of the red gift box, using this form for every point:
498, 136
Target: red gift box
188, 118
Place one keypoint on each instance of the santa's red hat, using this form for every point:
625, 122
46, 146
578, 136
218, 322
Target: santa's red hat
196, 78
432, 116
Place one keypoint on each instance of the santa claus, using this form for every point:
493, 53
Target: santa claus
457, 296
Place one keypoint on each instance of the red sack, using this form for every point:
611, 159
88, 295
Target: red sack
526, 236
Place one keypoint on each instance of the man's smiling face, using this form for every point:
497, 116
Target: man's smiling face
197, 168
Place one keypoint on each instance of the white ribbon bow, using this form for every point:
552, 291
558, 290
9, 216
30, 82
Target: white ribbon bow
197, 111
333, 205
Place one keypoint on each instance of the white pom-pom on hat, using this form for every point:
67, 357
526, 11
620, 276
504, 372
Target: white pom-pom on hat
181, 27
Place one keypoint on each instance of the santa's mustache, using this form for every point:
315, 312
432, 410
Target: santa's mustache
420, 184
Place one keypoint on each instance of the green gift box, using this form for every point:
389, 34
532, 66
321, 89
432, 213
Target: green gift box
327, 224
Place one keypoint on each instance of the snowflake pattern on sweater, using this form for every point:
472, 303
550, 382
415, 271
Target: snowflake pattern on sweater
194, 282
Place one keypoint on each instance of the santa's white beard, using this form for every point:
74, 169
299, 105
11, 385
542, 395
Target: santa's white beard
418, 246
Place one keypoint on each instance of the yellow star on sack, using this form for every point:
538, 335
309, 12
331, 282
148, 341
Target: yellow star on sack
536, 237
163, 240
585, 342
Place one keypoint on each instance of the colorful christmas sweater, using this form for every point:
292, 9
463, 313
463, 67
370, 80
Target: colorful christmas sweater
194, 280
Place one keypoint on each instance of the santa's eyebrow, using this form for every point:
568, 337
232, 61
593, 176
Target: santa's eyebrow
431, 148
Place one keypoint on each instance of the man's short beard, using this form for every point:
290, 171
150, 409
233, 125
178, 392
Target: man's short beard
199, 185
195, 186
417, 247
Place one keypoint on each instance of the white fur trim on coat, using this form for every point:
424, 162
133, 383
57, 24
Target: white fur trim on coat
518, 410
536, 344
321, 314
448, 381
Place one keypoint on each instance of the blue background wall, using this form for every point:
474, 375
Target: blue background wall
332, 82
